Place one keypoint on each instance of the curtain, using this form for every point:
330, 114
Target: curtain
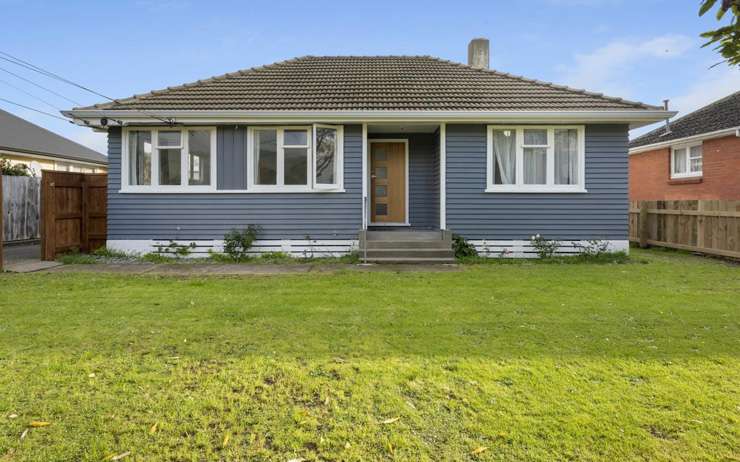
566, 156
504, 155
535, 165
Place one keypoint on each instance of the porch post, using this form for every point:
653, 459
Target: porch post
364, 177
442, 176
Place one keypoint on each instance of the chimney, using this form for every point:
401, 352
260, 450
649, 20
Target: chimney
478, 55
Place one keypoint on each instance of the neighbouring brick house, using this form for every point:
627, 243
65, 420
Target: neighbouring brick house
697, 157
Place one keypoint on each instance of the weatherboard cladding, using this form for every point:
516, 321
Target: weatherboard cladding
210, 216
601, 213
384, 83
423, 178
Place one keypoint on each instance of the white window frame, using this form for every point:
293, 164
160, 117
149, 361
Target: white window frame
689, 173
155, 187
550, 186
280, 187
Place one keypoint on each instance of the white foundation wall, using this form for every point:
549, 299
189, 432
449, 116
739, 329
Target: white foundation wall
524, 249
303, 248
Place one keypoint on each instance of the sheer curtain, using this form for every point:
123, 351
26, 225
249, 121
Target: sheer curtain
504, 156
535, 165
566, 156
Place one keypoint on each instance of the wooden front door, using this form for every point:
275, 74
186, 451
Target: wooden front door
388, 182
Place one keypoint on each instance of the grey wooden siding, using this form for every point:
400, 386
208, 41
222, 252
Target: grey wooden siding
423, 178
601, 213
210, 216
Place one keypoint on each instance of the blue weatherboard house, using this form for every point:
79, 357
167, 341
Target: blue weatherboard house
386, 154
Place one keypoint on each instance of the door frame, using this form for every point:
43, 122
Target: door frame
405, 142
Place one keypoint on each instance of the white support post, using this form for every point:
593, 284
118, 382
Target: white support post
442, 176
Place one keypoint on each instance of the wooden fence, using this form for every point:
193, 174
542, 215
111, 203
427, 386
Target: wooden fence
73, 212
21, 207
706, 226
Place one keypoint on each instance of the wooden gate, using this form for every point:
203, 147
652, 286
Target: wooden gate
21, 199
73, 212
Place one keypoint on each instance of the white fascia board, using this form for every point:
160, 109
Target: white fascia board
687, 139
635, 117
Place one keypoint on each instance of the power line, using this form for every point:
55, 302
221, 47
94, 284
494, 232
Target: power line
25, 64
29, 94
35, 110
39, 86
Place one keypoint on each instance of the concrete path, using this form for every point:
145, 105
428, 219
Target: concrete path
196, 269
25, 258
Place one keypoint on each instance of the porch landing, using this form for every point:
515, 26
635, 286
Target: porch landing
406, 246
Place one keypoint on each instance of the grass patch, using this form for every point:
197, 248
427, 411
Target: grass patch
534, 362
618, 258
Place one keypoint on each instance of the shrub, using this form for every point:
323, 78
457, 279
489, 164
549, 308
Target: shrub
545, 248
592, 248
237, 243
14, 170
463, 248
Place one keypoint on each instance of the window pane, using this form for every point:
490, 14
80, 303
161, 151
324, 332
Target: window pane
679, 161
381, 191
381, 173
140, 158
535, 163
381, 209
504, 156
379, 154
695, 157
168, 138
265, 147
296, 166
295, 137
169, 166
566, 156
199, 166
326, 153
535, 137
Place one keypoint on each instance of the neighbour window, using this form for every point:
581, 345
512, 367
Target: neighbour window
535, 159
171, 159
296, 158
686, 161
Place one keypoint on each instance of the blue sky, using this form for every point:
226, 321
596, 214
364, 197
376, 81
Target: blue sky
646, 50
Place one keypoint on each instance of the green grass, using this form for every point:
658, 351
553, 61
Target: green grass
533, 362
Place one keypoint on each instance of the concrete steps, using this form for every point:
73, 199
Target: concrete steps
406, 246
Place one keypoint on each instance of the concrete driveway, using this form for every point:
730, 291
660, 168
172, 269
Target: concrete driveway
25, 258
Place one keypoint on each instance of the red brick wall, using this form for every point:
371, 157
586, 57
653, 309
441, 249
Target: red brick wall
650, 179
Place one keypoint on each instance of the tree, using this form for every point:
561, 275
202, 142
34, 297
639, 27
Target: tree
726, 38
14, 170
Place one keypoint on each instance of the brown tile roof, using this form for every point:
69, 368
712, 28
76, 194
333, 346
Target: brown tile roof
314, 83
721, 114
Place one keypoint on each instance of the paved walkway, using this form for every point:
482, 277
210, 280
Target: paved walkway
196, 269
25, 258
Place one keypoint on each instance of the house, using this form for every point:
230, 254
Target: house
22, 142
694, 157
325, 153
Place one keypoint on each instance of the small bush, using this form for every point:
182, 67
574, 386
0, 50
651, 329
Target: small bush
107, 253
545, 248
463, 248
275, 257
237, 243
14, 170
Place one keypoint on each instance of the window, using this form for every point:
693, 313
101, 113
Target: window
535, 159
166, 159
686, 161
286, 159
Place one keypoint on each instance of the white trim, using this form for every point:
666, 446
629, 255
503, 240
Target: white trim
155, 187
688, 139
405, 142
365, 179
635, 117
549, 187
294, 247
496, 248
443, 176
689, 173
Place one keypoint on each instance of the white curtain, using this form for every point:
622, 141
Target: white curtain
566, 156
535, 165
504, 155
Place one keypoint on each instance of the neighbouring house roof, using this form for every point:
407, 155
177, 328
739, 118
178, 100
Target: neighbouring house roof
719, 115
366, 83
21, 136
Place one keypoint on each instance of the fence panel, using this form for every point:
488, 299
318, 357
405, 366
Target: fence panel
707, 226
73, 212
21, 207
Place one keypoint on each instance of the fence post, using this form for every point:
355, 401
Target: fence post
84, 238
48, 220
644, 233
700, 230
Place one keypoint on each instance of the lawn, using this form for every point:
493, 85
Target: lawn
636, 361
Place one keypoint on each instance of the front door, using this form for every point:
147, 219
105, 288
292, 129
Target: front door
388, 182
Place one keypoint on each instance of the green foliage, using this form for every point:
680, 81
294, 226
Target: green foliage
544, 247
14, 170
107, 253
238, 242
276, 257
534, 361
76, 258
726, 38
176, 250
463, 248
157, 257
